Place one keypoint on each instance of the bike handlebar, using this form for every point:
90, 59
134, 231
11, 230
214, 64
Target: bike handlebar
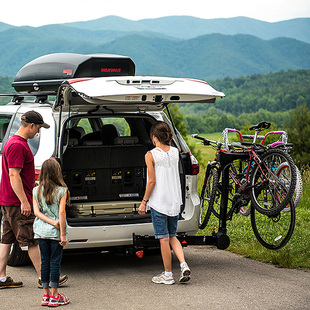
207, 141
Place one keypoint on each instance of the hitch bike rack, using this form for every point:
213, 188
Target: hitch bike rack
220, 238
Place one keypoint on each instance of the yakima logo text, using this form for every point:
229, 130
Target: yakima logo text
111, 69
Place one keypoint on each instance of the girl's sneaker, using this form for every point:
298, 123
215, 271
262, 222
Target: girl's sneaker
185, 273
162, 279
60, 300
45, 300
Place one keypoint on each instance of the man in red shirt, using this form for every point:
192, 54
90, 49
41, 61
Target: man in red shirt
17, 182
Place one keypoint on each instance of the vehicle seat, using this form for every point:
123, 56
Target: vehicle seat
73, 137
3, 130
80, 130
108, 134
93, 138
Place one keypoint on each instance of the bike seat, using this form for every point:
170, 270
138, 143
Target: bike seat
260, 126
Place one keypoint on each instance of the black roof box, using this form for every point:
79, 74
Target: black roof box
43, 75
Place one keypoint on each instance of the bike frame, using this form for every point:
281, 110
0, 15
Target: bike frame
256, 137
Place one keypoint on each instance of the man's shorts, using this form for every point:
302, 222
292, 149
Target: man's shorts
17, 227
164, 225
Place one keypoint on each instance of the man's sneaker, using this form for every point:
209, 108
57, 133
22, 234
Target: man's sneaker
45, 300
185, 273
62, 280
162, 279
59, 300
9, 283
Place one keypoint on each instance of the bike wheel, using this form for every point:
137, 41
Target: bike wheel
245, 210
270, 193
298, 189
207, 197
273, 231
216, 206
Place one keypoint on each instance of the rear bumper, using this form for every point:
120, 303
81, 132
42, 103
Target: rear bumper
113, 235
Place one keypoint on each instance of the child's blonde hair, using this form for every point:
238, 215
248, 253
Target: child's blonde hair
50, 178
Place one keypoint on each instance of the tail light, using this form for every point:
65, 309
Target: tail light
37, 174
195, 164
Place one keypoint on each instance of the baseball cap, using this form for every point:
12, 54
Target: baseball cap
35, 118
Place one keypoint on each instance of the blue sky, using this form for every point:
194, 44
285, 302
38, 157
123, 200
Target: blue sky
38, 13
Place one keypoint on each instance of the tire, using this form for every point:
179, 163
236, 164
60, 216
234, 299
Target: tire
216, 207
273, 231
272, 195
207, 197
298, 190
245, 210
17, 257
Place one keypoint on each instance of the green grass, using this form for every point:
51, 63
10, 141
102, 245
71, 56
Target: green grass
295, 254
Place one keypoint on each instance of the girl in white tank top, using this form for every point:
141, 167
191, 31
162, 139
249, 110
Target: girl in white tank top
164, 196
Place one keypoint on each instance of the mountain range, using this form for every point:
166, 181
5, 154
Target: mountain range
169, 46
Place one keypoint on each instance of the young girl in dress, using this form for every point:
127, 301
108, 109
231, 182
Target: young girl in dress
49, 204
163, 195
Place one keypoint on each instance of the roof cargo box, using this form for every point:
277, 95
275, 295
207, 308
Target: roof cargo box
43, 75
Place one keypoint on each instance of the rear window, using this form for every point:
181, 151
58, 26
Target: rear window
111, 130
120, 124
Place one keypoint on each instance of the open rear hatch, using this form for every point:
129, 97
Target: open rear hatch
133, 93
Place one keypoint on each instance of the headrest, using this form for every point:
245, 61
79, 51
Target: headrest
109, 133
126, 140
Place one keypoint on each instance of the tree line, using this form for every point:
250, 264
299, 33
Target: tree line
253, 98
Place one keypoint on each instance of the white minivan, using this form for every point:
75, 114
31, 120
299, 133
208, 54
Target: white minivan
100, 115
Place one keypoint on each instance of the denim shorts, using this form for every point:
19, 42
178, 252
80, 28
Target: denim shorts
164, 225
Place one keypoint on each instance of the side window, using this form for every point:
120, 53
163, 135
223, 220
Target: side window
4, 124
33, 143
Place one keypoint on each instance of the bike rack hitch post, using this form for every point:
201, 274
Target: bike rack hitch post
223, 240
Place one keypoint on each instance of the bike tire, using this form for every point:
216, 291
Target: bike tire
299, 186
216, 206
271, 196
207, 197
273, 231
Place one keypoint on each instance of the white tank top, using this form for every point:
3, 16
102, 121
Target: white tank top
166, 197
